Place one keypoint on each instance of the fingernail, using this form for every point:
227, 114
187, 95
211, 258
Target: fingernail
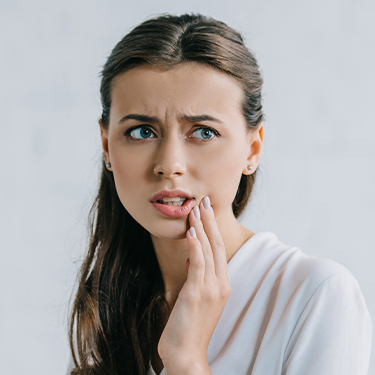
197, 213
192, 232
206, 202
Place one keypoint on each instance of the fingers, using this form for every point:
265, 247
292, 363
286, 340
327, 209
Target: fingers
209, 239
214, 237
196, 265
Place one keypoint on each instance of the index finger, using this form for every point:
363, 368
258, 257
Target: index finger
214, 237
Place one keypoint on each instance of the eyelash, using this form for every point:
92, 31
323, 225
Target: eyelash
127, 133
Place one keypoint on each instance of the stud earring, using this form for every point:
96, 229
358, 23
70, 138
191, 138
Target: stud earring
249, 167
108, 165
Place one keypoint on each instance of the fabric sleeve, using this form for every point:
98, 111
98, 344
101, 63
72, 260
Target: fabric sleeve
333, 334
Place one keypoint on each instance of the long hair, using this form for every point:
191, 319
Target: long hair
115, 317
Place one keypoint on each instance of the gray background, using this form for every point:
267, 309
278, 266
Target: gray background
317, 171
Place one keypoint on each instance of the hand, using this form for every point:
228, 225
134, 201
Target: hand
202, 298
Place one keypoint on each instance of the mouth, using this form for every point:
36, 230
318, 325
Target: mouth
176, 208
173, 203
171, 196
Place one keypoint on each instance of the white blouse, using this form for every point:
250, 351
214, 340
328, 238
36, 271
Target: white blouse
289, 314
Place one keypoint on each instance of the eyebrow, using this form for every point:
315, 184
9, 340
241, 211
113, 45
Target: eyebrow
140, 118
200, 118
154, 119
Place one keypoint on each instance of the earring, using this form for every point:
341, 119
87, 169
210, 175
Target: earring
249, 167
108, 165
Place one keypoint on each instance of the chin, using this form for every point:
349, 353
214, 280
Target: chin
176, 237
170, 232
171, 235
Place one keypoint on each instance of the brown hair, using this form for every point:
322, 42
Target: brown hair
116, 313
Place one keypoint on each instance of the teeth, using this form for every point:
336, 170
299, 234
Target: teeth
175, 201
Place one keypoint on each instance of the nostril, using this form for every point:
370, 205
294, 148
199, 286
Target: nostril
176, 169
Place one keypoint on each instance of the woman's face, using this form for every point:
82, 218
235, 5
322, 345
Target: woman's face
177, 129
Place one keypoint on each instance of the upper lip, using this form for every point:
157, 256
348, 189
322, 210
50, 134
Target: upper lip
170, 194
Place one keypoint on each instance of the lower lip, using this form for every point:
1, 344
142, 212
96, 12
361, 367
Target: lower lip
174, 211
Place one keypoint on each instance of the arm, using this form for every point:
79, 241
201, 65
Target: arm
333, 334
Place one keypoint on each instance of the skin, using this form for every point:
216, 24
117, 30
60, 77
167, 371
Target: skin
175, 154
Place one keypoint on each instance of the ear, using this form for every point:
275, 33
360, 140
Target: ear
256, 143
104, 136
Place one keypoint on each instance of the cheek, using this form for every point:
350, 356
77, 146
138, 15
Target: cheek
223, 174
125, 169
128, 172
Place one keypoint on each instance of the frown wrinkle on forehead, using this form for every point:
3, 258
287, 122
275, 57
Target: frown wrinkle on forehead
188, 89
154, 119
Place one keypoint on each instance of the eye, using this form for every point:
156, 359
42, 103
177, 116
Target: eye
140, 132
206, 133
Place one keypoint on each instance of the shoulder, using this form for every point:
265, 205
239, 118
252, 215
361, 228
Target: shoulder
291, 274
266, 266
298, 268
303, 268
331, 320
318, 287
311, 307
311, 274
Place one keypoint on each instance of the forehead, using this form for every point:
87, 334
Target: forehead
186, 88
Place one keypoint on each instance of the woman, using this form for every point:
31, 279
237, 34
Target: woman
172, 282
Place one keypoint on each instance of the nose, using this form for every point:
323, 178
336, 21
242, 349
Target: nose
169, 158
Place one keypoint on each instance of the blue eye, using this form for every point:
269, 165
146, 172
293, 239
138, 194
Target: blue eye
206, 133
140, 132
144, 132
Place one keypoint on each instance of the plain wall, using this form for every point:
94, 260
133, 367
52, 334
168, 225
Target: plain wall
316, 175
